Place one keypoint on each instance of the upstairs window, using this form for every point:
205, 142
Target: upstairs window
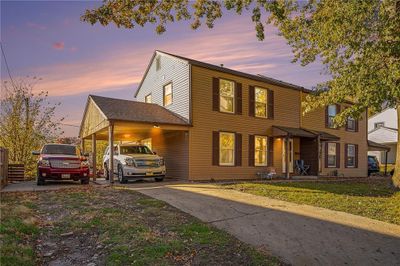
379, 124
147, 99
260, 151
226, 148
332, 111
226, 96
168, 94
260, 102
351, 124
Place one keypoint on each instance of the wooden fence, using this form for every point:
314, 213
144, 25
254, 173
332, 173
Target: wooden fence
3, 166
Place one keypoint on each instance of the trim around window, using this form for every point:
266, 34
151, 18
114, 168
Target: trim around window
263, 150
332, 155
147, 97
262, 104
227, 151
227, 99
167, 100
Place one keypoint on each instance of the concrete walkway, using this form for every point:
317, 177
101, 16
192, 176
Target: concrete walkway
299, 234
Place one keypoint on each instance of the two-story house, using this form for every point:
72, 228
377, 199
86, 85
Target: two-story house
211, 122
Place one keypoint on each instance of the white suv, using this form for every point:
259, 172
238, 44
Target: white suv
134, 161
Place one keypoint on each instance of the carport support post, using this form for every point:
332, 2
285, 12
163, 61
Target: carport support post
111, 145
287, 156
94, 155
386, 154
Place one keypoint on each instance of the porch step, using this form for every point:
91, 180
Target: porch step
304, 177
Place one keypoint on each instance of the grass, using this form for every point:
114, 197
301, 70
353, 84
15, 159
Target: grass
133, 229
375, 199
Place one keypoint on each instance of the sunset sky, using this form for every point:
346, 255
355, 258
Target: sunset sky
74, 59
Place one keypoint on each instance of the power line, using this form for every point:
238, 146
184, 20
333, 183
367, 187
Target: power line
5, 60
68, 125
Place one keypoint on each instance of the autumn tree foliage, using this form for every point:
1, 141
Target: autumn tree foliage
357, 41
27, 121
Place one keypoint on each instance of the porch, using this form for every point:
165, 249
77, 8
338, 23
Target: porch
301, 144
118, 121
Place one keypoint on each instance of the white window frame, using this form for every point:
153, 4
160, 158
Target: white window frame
146, 97
165, 95
330, 117
233, 149
336, 157
265, 151
379, 124
255, 102
233, 96
348, 156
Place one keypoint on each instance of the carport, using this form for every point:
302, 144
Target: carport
130, 121
373, 146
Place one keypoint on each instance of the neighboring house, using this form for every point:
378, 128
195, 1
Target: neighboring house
382, 129
211, 122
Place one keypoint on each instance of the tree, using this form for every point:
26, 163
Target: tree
27, 121
357, 41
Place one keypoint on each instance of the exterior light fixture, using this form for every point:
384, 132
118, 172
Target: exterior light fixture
156, 126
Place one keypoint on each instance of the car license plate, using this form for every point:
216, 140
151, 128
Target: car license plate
149, 173
65, 176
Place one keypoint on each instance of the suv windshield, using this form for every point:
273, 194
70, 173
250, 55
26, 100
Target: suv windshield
60, 149
135, 150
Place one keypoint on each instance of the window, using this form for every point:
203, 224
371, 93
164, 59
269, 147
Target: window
351, 124
260, 102
226, 148
379, 124
226, 96
147, 99
260, 151
168, 94
332, 156
332, 112
351, 155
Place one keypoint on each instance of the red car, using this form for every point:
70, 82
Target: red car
61, 162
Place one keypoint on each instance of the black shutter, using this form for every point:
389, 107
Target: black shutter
337, 155
270, 104
270, 151
356, 156
238, 91
215, 148
251, 150
251, 100
346, 155
215, 89
238, 149
326, 117
356, 122
326, 154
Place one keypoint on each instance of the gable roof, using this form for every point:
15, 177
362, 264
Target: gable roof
133, 111
383, 135
260, 78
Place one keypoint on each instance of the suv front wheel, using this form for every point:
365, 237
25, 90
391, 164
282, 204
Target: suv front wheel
39, 180
121, 177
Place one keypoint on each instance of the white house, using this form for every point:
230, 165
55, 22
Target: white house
382, 129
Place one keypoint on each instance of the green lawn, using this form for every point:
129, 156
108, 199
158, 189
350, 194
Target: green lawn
373, 199
107, 226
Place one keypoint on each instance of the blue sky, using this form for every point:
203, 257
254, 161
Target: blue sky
74, 59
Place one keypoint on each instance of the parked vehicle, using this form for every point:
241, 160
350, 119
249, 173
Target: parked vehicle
134, 161
373, 165
61, 162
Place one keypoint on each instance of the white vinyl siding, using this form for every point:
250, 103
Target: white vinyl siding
171, 70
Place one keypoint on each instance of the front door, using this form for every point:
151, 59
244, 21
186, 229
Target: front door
290, 156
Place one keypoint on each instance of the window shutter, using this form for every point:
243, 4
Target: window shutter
270, 151
251, 150
337, 155
270, 104
356, 129
346, 155
326, 154
251, 100
337, 108
215, 88
326, 117
238, 91
215, 148
356, 156
238, 149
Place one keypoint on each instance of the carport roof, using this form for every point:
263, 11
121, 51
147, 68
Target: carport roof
133, 111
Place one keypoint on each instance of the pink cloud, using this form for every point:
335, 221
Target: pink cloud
36, 26
58, 45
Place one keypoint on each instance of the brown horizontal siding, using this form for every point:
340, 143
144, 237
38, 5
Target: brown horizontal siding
315, 120
205, 121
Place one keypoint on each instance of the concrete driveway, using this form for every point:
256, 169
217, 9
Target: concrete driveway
299, 234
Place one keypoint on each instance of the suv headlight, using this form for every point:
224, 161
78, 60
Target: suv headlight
130, 162
162, 162
44, 162
85, 163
